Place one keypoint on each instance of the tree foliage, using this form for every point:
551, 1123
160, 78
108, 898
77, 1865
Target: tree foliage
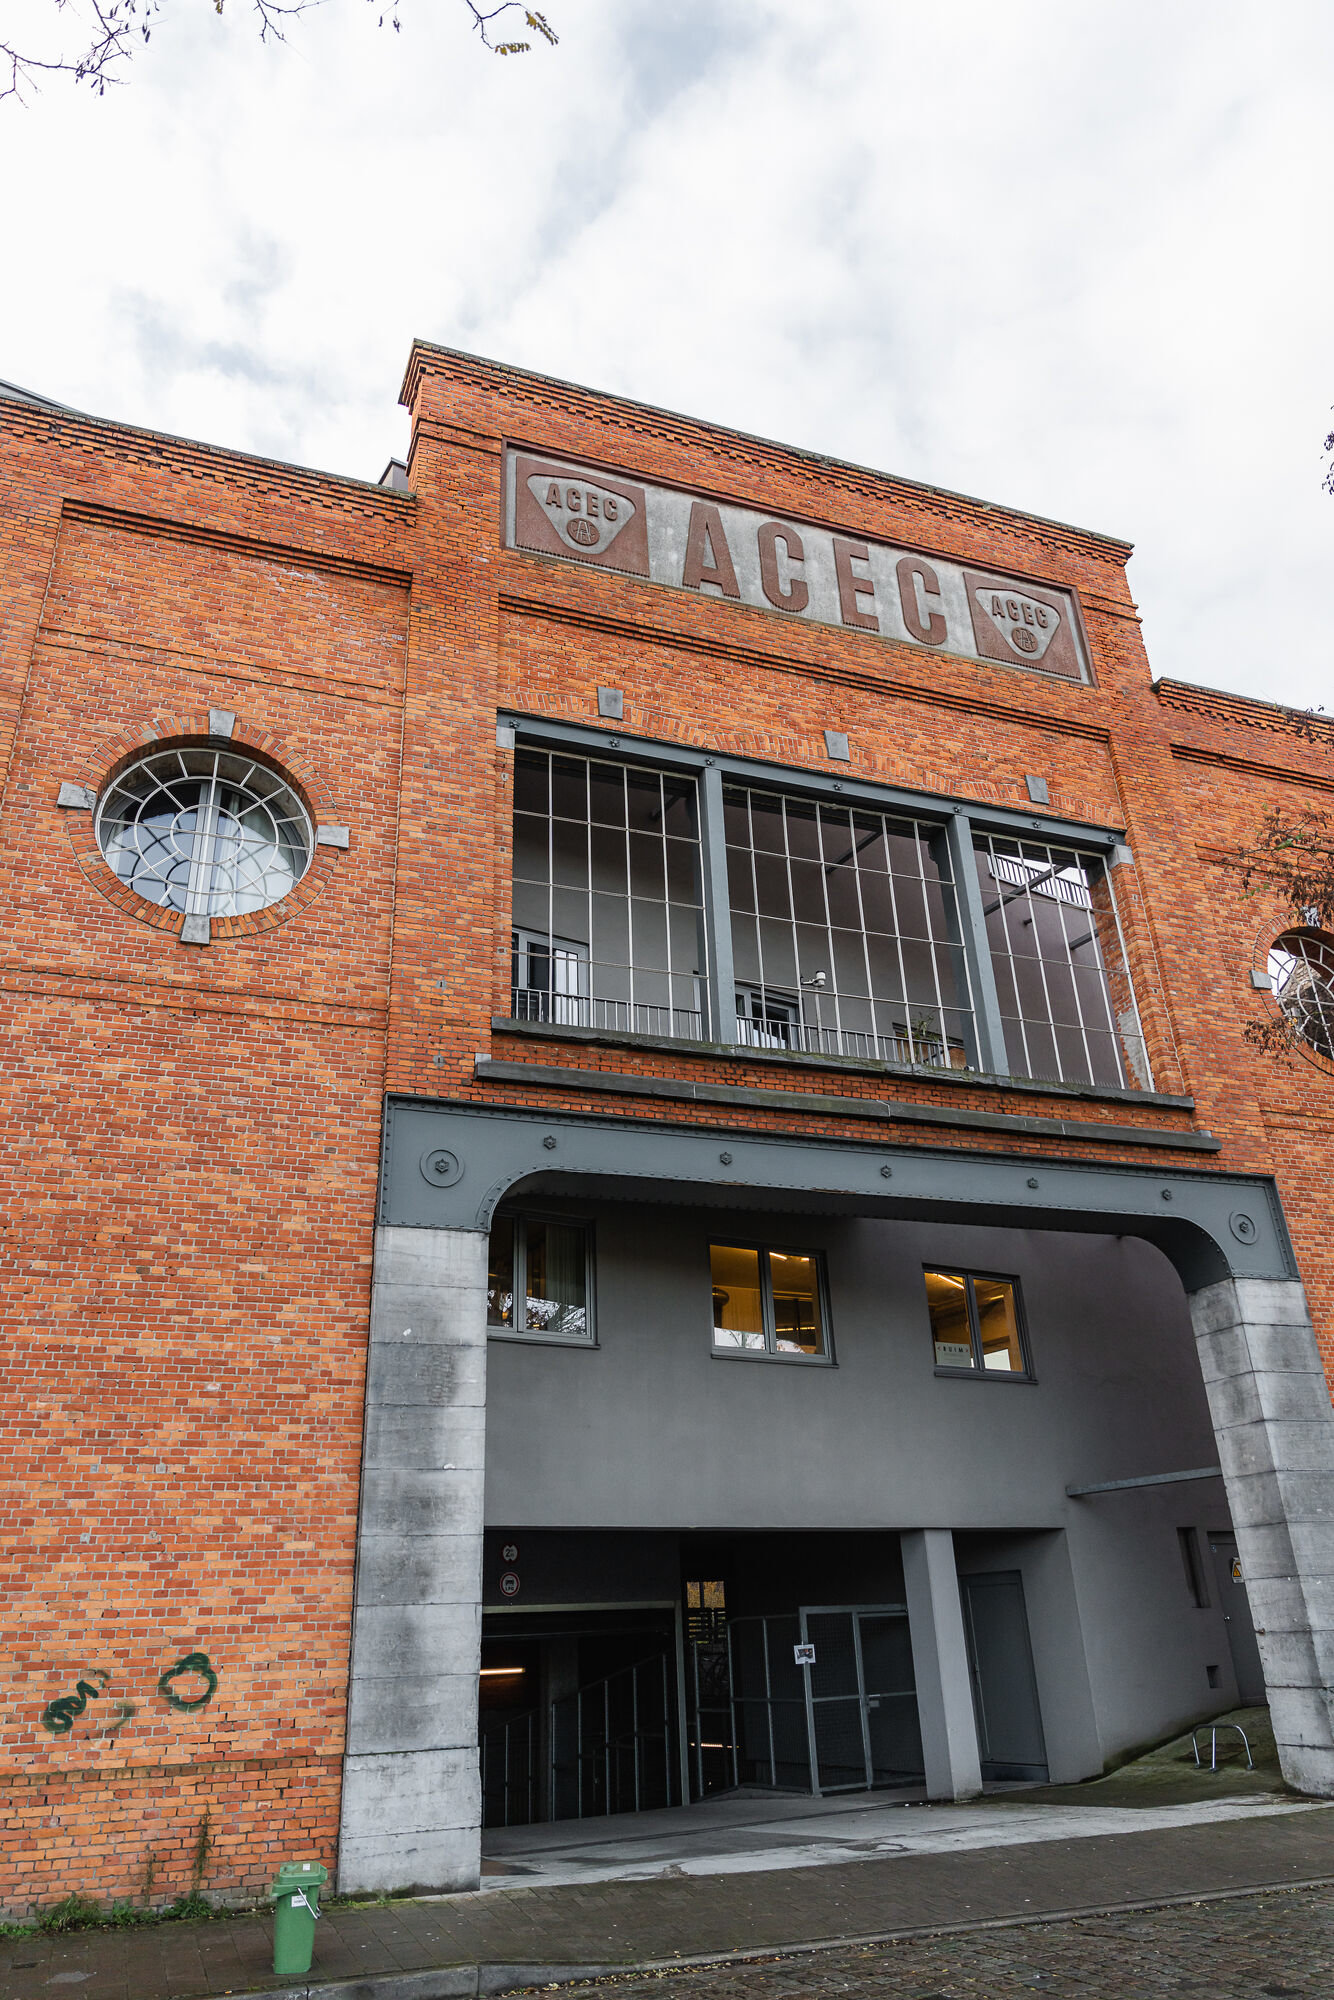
1290, 859
105, 36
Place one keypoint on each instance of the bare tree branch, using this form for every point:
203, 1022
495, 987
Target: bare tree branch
1293, 853
117, 29
482, 17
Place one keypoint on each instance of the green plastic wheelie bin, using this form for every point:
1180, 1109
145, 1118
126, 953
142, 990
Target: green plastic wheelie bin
295, 1892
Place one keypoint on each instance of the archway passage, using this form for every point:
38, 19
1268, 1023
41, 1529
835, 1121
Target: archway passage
1262, 1427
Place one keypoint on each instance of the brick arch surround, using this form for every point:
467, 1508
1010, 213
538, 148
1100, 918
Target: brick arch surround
158, 731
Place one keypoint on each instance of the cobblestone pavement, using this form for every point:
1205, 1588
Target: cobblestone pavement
1240, 1948
679, 1916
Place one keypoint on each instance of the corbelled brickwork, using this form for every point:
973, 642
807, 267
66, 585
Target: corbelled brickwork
191, 1135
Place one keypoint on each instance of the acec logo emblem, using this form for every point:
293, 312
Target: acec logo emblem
587, 517
1023, 622
1023, 627
598, 520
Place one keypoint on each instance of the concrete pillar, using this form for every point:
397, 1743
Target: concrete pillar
1271, 1411
940, 1665
411, 1815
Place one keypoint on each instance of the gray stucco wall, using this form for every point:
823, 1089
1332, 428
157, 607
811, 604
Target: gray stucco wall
652, 1429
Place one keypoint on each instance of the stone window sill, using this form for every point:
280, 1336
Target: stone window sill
546, 1031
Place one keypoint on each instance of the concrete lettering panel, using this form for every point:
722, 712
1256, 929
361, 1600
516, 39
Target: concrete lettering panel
817, 575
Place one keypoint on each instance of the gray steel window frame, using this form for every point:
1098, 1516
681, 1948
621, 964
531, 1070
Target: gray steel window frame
979, 1372
770, 1351
580, 1007
957, 824
521, 1217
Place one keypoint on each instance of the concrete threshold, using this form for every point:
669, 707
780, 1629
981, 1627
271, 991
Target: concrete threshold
742, 1837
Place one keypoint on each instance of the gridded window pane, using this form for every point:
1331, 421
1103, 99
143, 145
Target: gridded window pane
796, 1293
500, 1273
738, 1314
1065, 1000
998, 1326
844, 899
607, 897
1301, 973
975, 1323
206, 832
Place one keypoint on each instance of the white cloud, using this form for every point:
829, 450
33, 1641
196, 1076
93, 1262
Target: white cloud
1069, 258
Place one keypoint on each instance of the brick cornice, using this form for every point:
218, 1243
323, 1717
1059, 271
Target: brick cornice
1221, 706
1197, 753
173, 528
524, 386
111, 439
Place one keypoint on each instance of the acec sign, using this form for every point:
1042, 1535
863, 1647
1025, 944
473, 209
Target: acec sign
812, 573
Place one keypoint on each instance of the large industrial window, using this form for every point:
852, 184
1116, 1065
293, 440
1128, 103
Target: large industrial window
608, 929
975, 1323
767, 1301
844, 936
849, 931
1065, 1001
538, 1279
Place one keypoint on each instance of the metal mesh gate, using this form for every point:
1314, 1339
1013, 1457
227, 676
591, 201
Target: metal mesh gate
845, 1722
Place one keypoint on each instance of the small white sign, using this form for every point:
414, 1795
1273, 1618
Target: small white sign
953, 1354
804, 1655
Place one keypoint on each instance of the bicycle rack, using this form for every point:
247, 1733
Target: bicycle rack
1213, 1743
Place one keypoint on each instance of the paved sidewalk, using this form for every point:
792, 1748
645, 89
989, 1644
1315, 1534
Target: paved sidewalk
427, 1949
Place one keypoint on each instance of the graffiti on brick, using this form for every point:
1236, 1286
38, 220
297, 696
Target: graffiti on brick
58, 1715
193, 1664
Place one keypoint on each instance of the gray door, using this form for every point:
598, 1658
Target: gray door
1236, 1609
863, 1698
1005, 1689
893, 1733
844, 1721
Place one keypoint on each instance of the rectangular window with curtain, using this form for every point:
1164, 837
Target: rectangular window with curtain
539, 1279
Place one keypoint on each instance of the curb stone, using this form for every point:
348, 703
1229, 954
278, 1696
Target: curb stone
481, 1982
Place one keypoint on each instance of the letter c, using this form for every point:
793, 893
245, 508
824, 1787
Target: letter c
913, 574
797, 595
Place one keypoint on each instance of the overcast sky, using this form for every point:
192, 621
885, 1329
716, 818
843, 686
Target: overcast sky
1072, 257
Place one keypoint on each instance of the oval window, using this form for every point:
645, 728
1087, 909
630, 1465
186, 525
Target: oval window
1301, 973
205, 831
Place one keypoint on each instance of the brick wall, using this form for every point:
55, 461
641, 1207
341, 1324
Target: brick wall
191, 1135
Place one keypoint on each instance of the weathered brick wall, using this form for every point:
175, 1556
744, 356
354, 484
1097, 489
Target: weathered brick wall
188, 1174
190, 1136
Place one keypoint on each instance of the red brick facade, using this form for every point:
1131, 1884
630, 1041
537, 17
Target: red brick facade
191, 1143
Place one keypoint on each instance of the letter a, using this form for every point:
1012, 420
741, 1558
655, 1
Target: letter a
708, 558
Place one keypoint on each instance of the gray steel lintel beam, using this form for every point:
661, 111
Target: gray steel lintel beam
849, 791
447, 1166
